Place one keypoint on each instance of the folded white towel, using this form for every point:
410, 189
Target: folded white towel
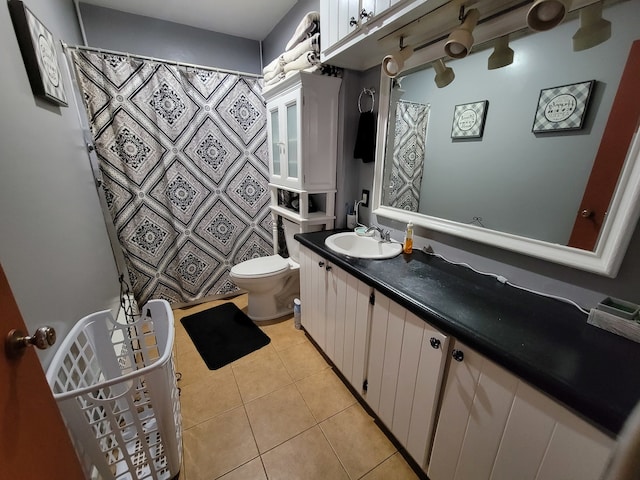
311, 44
309, 25
275, 72
305, 61
272, 66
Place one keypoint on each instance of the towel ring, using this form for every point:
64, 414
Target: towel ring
368, 91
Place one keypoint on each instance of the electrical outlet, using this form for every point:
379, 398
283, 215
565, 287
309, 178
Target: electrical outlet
365, 198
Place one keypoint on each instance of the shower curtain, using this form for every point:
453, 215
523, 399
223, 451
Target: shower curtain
409, 139
183, 157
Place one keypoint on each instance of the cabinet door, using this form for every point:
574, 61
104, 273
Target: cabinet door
405, 374
275, 142
422, 363
347, 316
312, 294
284, 132
493, 426
348, 10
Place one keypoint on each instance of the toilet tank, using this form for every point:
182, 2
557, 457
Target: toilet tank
290, 229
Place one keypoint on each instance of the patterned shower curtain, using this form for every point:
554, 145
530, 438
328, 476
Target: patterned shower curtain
408, 155
183, 158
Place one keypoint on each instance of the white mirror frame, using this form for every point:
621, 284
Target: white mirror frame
616, 231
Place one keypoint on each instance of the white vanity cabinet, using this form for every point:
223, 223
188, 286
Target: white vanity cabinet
494, 426
406, 363
335, 313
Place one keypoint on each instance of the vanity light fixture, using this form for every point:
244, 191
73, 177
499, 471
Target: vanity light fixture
593, 30
393, 64
444, 75
459, 43
502, 54
546, 14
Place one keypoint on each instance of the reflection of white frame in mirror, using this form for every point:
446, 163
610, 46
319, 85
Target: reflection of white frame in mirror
615, 234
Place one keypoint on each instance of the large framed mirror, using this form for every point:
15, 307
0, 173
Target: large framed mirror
506, 185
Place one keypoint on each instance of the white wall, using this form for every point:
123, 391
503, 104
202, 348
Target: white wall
53, 242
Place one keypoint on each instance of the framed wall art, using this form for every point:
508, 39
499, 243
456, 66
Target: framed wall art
468, 120
562, 108
39, 53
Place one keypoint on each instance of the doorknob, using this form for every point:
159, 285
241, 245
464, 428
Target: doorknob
16, 341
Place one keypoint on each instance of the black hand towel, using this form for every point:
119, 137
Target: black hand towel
366, 139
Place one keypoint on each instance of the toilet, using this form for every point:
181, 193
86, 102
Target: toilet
272, 282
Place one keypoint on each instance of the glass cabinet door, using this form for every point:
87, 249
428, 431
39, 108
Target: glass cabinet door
276, 145
292, 140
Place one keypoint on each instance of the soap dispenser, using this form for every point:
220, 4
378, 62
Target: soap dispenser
408, 238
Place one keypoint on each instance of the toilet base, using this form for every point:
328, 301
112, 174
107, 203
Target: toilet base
270, 304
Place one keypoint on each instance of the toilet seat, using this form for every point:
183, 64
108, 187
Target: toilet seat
261, 267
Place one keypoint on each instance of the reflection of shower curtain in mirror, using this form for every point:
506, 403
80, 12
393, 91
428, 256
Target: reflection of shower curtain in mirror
183, 158
408, 155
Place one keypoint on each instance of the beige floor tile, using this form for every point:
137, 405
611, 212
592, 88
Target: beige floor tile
260, 373
282, 333
219, 445
252, 470
307, 456
357, 441
393, 468
325, 394
278, 416
192, 368
212, 395
302, 360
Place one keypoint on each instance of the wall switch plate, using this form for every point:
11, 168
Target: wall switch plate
365, 198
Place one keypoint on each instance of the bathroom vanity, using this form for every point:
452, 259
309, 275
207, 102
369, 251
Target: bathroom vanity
474, 378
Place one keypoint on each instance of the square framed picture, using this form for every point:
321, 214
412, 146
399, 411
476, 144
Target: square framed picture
39, 53
468, 120
562, 108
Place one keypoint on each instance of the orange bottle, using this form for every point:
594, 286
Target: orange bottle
408, 238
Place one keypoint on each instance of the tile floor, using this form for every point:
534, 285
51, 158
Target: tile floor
279, 413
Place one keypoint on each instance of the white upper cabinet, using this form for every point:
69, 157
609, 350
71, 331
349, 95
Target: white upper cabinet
352, 29
302, 120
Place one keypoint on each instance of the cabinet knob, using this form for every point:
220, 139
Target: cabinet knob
365, 15
353, 22
321, 264
458, 355
435, 343
328, 268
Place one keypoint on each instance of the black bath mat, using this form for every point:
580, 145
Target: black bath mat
223, 334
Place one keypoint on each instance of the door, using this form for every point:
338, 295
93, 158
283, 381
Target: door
34, 443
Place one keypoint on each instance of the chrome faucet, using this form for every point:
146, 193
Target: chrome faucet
385, 235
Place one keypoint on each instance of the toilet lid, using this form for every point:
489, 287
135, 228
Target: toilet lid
260, 267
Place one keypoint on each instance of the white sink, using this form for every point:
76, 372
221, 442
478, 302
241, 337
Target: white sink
348, 243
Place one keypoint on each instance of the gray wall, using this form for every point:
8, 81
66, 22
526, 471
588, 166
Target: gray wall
53, 243
125, 32
459, 174
274, 44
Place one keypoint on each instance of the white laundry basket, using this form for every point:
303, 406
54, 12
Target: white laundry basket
115, 385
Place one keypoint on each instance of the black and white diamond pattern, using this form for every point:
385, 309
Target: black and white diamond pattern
184, 161
408, 155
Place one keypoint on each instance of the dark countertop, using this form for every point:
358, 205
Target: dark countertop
546, 342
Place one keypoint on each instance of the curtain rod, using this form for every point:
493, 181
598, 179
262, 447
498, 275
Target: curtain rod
160, 60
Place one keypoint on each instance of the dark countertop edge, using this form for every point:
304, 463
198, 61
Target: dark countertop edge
607, 419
